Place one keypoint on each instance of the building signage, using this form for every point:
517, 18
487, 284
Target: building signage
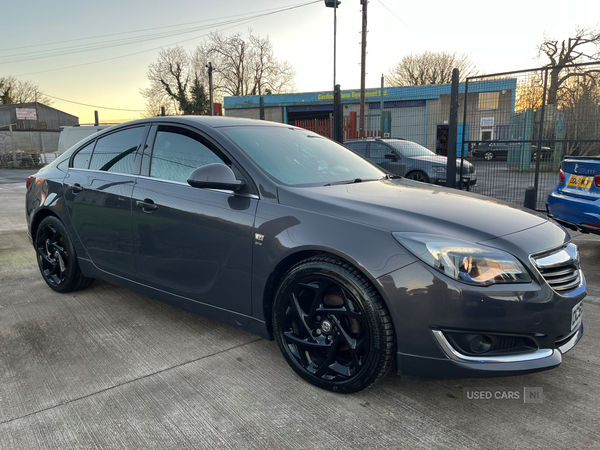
353, 94
26, 114
487, 121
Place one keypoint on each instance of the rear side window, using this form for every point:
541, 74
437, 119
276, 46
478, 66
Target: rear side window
81, 160
116, 152
358, 147
178, 152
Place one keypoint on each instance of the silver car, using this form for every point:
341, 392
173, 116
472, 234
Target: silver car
411, 160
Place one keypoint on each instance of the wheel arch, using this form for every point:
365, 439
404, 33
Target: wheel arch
287, 263
37, 219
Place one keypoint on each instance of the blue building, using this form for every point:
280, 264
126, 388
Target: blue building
416, 113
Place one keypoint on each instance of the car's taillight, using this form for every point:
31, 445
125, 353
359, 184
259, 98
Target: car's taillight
561, 176
30, 179
597, 181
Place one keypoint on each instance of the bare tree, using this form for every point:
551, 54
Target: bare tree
175, 84
429, 68
584, 47
13, 90
247, 67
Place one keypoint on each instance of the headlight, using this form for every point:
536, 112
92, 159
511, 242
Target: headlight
465, 261
439, 168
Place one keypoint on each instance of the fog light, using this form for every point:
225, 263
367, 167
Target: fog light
480, 344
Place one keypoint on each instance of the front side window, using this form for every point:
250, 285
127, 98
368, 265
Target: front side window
116, 152
489, 100
295, 156
379, 150
178, 152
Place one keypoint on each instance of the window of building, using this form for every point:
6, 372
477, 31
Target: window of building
178, 152
489, 100
116, 152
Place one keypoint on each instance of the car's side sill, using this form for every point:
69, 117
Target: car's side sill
225, 316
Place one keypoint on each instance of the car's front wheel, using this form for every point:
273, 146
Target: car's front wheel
56, 257
488, 156
418, 176
332, 326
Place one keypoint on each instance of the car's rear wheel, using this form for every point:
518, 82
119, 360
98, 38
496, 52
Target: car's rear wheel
488, 156
332, 326
56, 257
418, 176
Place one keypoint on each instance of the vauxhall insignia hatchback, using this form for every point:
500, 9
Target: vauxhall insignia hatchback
279, 231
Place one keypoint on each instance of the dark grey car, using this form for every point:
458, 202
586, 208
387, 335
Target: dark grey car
286, 234
411, 160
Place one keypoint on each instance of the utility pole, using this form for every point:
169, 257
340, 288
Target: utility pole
363, 57
210, 88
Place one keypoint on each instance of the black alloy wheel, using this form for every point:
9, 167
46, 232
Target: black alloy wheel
418, 176
332, 326
56, 257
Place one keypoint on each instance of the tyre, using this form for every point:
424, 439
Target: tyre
488, 156
332, 326
418, 176
57, 259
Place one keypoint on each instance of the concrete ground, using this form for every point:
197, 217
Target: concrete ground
108, 368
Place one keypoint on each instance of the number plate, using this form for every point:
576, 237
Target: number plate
576, 314
580, 181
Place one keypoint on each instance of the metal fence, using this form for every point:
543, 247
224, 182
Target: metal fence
555, 113
513, 129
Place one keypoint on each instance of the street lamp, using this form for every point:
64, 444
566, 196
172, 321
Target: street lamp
333, 4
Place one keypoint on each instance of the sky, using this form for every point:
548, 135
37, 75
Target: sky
497, 36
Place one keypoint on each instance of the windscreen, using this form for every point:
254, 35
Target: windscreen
295, 156
408, 148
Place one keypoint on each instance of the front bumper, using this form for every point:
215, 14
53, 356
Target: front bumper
424, 304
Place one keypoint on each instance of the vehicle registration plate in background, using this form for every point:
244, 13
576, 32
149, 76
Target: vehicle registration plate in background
576, 315
580, 181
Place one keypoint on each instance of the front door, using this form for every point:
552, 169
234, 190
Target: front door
192, 242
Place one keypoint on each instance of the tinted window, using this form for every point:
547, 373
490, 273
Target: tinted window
358, 147
295, 156
379, 150
116, 152
178, 152
81, 160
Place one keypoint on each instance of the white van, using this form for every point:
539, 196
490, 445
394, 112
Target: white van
69, 136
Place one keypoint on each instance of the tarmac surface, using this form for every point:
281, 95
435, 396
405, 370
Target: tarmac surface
107, 368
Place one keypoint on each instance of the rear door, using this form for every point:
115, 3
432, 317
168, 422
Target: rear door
98, 188
192, 242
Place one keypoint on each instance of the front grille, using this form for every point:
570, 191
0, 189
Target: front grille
560, 268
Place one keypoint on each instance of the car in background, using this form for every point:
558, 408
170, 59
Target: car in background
70, 136
575, 202
287, 234
410, 160
499, 150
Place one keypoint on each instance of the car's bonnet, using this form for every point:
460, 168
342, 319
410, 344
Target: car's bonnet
405, 205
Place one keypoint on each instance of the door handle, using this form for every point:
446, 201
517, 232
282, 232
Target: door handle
147, 205
76, 188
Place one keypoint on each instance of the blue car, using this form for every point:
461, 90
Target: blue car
575, 202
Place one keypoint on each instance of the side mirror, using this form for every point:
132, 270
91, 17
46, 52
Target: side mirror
215, 176
390, 156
